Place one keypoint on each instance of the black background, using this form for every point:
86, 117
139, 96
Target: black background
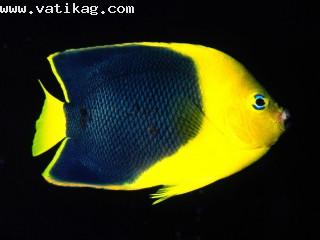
275, 198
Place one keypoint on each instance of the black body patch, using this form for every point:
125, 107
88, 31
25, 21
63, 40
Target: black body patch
130, 106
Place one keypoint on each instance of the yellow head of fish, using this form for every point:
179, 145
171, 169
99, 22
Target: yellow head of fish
252, 116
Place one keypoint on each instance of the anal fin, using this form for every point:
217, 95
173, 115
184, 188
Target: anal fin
169, 191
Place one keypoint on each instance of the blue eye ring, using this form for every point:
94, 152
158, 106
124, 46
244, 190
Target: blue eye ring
260, 102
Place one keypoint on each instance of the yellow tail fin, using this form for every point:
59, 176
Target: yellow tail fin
51, 125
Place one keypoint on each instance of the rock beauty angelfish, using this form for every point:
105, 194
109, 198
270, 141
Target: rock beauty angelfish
139, 115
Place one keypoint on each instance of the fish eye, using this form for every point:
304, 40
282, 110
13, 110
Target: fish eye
260, 102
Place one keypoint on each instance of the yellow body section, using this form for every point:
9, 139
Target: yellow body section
232, 135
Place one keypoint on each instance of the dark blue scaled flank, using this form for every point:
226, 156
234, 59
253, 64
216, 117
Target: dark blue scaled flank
130, 107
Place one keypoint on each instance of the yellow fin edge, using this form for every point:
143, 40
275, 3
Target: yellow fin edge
56, 74
46, 173
49, 178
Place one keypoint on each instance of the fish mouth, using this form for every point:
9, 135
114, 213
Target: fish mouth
284, 117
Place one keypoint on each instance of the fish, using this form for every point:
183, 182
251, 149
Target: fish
139, 115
